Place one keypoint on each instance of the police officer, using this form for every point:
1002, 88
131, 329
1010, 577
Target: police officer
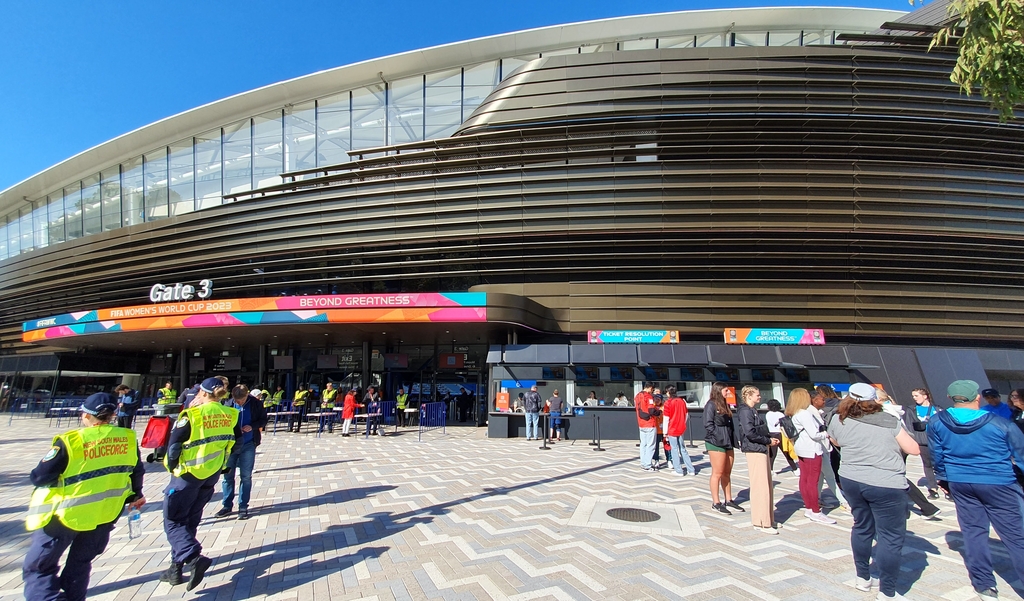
197, 451
82, 485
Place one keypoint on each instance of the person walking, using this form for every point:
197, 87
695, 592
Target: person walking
128, 402
810, 448
82, 486
532, 404
646, 417
252, 418
924, 411
720, 439
555, 408
874, 476
973, 452
197, 451
675, 418
755, 441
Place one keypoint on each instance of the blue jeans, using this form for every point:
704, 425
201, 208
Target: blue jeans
532, 421
243, 459
880, 514
648, 436
679, 452
977, 506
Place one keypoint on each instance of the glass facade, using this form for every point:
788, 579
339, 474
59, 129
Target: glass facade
196, 172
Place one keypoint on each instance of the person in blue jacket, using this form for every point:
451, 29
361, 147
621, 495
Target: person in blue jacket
973, 452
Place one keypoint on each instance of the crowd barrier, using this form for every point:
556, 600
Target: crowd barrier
432, 417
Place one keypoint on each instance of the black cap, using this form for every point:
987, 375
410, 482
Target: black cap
100, 402
990, 392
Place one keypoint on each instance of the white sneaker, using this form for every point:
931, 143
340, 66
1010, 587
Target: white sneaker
808, 513
896, 597
866, 584
766, 530
821, 518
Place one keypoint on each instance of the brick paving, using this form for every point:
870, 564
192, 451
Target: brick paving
459, 516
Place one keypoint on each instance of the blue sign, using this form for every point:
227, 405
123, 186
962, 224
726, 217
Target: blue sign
633, 336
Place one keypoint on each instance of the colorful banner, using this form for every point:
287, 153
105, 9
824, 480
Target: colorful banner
349, 308
773, 336
633, 336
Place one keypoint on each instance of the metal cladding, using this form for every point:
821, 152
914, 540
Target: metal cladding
847, 188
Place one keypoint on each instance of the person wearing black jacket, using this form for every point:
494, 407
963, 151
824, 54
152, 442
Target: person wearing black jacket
755, 442
720, 438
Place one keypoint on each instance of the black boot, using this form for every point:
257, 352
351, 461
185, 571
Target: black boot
197, 569
172, 575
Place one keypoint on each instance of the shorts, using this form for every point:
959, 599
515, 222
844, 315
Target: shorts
711, 447
556, 419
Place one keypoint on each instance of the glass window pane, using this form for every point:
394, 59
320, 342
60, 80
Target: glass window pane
334, 131
300, 137
405, 110
26, 229
479, 81
711, 39
39, 224
749, 39
586, 49
686, 41
368, 117
208, 169
13, 235
638, 44
131, 193
238, 157
91, 200
73, 210
156, 185
111, 187
3, 238
268, 153
812, 38
444, 103
181, 178
784, 38
55, 215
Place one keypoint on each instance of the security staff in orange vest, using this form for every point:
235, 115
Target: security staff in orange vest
197, 451
82, 485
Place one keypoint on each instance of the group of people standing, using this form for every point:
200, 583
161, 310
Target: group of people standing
970, 451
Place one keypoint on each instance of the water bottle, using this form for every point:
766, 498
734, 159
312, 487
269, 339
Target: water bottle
134, 524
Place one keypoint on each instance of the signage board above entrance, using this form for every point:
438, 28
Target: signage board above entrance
339, 308
633, 337
773, 336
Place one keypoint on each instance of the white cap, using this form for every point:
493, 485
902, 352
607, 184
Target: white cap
256, 392
863, 391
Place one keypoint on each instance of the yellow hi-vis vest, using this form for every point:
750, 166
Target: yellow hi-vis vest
328, 398
170, 396
93, 488
401, 398
213, 435
300, 397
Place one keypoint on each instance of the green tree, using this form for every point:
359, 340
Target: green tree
991, 50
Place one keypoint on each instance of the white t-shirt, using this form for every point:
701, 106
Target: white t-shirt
773, 417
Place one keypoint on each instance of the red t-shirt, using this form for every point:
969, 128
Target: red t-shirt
644, 401
675, 411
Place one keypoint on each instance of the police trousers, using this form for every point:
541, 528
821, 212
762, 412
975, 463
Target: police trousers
183, 510
42, 563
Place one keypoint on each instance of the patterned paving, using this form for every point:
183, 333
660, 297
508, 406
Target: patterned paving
459, 516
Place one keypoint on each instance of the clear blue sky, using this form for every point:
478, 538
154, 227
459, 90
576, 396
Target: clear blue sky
74, 74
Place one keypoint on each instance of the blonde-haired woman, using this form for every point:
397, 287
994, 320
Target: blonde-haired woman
755, 441
810, 447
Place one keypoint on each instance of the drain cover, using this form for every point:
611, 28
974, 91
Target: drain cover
629, 514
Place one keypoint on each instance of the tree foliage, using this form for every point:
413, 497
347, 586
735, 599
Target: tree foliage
991, 46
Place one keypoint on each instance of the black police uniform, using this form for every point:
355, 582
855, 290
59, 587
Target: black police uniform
42, 563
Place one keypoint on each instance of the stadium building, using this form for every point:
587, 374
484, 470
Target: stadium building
767, 196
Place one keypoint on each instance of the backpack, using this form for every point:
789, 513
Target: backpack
788, 427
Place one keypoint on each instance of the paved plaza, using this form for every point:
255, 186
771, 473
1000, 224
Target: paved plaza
459, 516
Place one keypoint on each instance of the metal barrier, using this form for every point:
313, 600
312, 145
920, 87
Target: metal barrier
432, 417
